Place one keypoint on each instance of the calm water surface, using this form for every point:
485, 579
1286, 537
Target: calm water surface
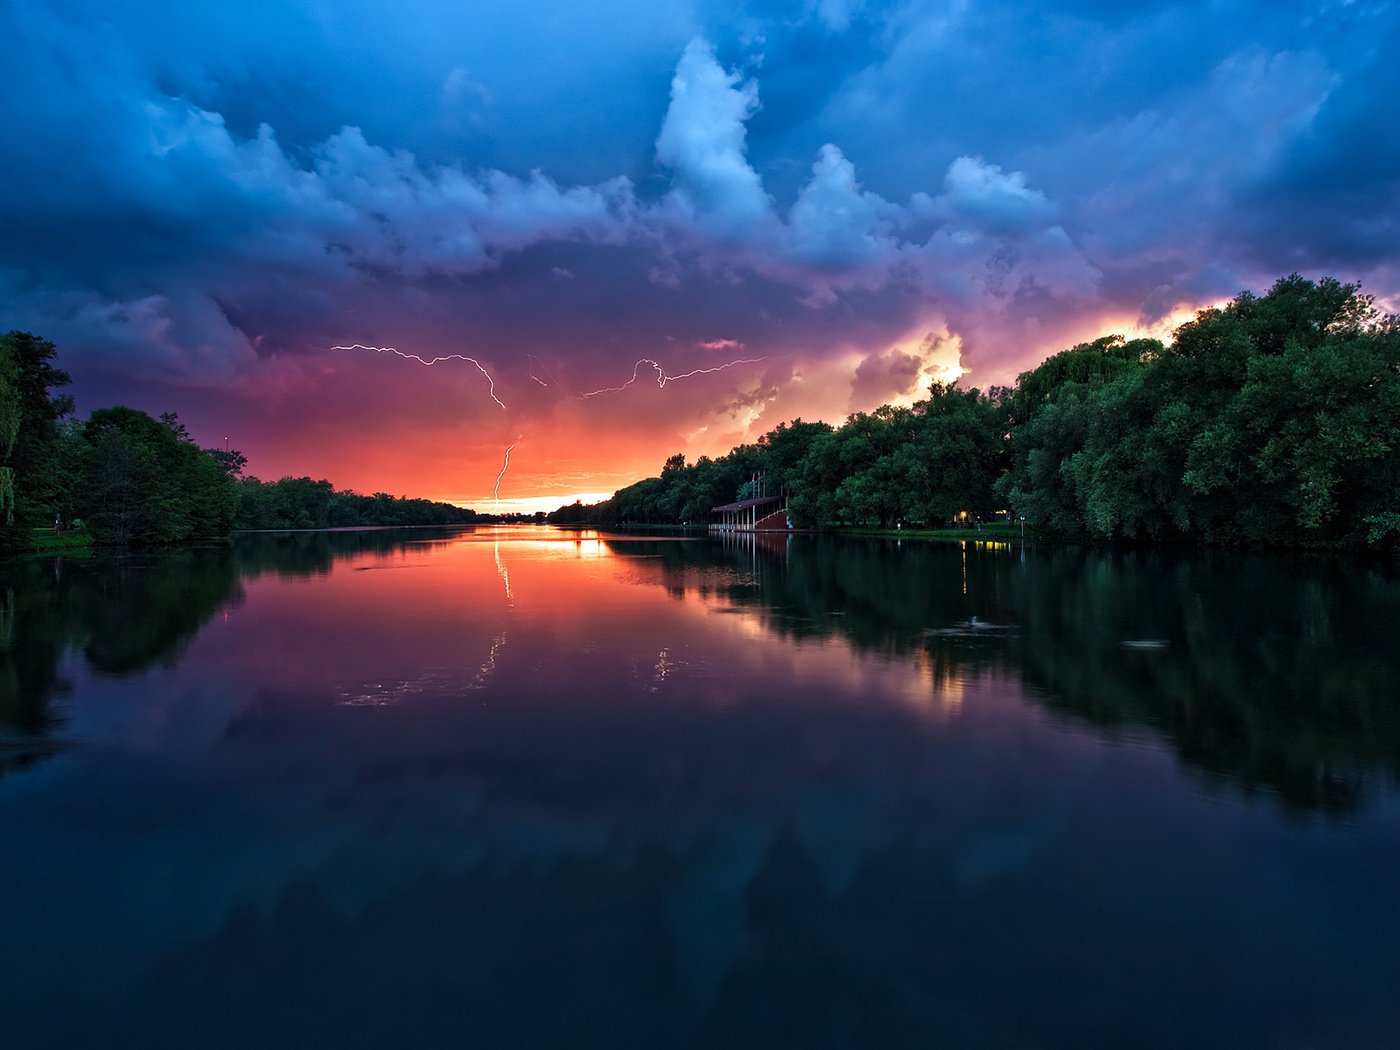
530, 788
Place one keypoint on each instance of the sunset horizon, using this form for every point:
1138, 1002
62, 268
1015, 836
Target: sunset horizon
390, 252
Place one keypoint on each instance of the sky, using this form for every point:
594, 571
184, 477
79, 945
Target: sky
594, 235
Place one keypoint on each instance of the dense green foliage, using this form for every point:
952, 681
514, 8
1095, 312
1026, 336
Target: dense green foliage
1273, 420
300, 503
923, 464
129, 478
9, 431
29, 431
142, 480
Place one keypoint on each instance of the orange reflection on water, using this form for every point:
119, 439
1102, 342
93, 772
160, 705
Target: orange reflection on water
533, 616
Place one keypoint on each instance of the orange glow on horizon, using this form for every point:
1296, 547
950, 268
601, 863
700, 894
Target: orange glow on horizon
435, 433
1086, 329
530, 504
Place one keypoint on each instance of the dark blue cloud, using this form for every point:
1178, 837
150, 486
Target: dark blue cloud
1332, 197
188, 191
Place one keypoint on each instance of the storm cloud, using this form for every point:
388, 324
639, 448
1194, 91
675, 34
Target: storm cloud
196, 205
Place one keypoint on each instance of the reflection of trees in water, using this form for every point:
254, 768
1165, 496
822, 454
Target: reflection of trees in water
882, 596
299, 555
123, 613
1271, 675
29, 676
128, 613
129, 610
1268, 674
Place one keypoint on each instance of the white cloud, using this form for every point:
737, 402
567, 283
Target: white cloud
702, 141
983, 195
987, 237
834, 224
450, 221
836, 15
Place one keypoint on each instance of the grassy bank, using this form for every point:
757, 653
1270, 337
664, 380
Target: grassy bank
46, 540
988, 532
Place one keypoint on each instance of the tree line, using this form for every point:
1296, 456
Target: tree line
1271, 421
125, 477
301, 503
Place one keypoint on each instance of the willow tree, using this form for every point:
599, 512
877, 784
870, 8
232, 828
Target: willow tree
9, 431
29, 432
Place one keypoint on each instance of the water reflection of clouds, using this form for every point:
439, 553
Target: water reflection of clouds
162, 712
692, 758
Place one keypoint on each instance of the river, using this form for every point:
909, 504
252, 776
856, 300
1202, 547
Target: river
525, 787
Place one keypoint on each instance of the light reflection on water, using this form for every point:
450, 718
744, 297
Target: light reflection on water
555, 788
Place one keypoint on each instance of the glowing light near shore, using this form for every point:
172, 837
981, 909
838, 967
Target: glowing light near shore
430, 361
663, 377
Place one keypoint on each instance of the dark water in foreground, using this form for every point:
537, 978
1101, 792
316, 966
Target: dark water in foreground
522, 789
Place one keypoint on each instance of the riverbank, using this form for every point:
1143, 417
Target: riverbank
43, 541
998, 532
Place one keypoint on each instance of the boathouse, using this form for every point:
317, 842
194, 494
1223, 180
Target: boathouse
757, 514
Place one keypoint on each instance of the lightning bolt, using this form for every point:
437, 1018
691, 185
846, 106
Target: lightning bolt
636, 371
663, 377
531, 369
496, 493
430, 361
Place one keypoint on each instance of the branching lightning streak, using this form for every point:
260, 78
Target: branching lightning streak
529, 358
496, 493
430, 361
636, 369
663, 377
